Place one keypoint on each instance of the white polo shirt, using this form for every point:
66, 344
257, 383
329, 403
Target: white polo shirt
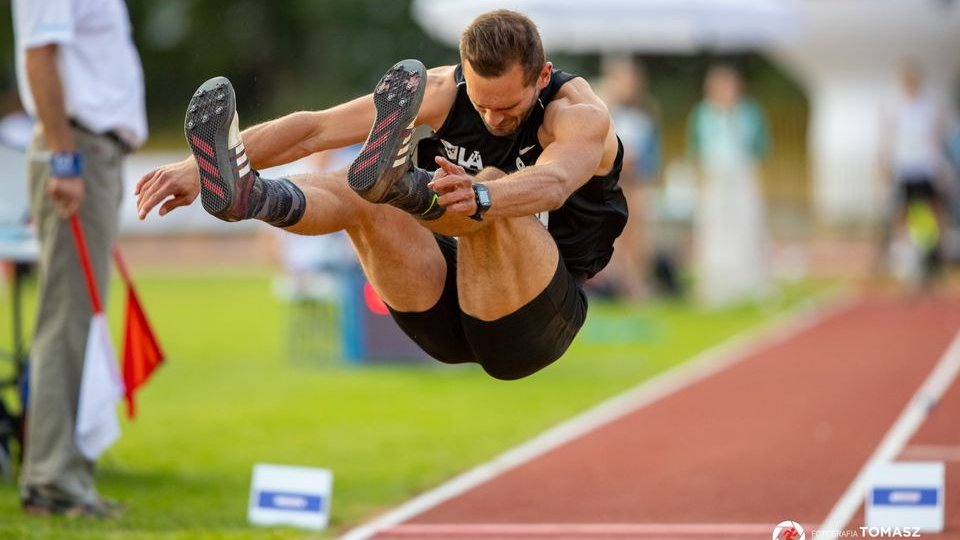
917, 141
99, 66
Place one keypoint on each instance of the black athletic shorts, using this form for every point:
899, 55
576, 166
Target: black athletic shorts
918, 188
511, 347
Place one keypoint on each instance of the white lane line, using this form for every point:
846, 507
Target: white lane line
578, 530
918, 452
683, 375
912, 417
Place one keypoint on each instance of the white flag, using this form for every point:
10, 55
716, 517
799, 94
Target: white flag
100, 390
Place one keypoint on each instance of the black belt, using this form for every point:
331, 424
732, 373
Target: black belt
112, 135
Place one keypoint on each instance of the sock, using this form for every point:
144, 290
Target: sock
414, 197
281, 203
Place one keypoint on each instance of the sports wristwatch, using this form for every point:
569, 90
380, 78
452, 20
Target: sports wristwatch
482, 197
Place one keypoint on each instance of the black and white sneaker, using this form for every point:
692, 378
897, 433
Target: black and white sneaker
383, 171
227, 183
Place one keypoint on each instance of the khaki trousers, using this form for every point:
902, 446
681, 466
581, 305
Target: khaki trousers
52, 465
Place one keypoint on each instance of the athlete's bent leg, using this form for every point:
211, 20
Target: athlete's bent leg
535, 335
401, 258
508, 304
521, 307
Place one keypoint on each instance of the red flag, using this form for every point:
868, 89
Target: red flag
141, 350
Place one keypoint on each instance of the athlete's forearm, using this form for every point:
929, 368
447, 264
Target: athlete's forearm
489, 174
281, 141
527, 192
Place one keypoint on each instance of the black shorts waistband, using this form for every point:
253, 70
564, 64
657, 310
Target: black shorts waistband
113, 135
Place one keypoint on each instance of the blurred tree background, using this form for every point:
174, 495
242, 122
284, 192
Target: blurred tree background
310, 54
281, 56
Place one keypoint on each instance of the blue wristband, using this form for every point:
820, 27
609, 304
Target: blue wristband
66, 164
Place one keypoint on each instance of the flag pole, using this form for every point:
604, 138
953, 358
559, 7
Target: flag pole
85, 263
122, 266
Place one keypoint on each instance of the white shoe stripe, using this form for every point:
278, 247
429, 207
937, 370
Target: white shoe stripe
403, 151
233, 135
243, 172
400, 161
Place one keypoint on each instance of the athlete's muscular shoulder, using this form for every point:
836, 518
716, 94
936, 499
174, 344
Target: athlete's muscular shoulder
574, 100
578, 113
440, 93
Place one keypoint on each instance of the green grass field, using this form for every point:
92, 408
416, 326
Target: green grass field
229, 397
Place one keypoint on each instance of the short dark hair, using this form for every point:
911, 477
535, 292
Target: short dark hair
496, 40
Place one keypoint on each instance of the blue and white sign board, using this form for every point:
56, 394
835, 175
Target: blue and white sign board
294, 496
906, 496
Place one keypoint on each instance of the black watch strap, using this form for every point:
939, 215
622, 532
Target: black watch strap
481, 196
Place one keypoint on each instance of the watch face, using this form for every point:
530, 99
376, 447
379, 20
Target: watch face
484, 197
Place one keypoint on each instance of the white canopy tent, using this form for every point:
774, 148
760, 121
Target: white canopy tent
844, 52
848, 58
577, 26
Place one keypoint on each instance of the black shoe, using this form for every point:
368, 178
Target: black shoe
227, 183
40, 505
383, 172
36, 504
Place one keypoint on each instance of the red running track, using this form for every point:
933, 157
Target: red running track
779, 435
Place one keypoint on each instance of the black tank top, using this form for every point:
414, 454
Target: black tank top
590, 219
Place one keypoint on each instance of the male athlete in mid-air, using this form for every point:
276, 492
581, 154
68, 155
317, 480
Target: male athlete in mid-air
482, 260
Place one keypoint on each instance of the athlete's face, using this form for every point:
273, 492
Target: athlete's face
504, 102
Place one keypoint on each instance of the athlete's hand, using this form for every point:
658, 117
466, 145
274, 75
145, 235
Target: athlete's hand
455, 188
180, 182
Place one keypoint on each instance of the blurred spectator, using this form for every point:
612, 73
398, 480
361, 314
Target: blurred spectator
953, 147
913, 139
314, 270
16, 126
635, 120
727, 134
312, 264
952, 215
16, 132
80, 76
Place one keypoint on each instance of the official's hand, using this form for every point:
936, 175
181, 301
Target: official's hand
67, 194
454, 187
179, 181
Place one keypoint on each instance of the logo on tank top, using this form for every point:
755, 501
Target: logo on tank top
520, 163
458, 155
